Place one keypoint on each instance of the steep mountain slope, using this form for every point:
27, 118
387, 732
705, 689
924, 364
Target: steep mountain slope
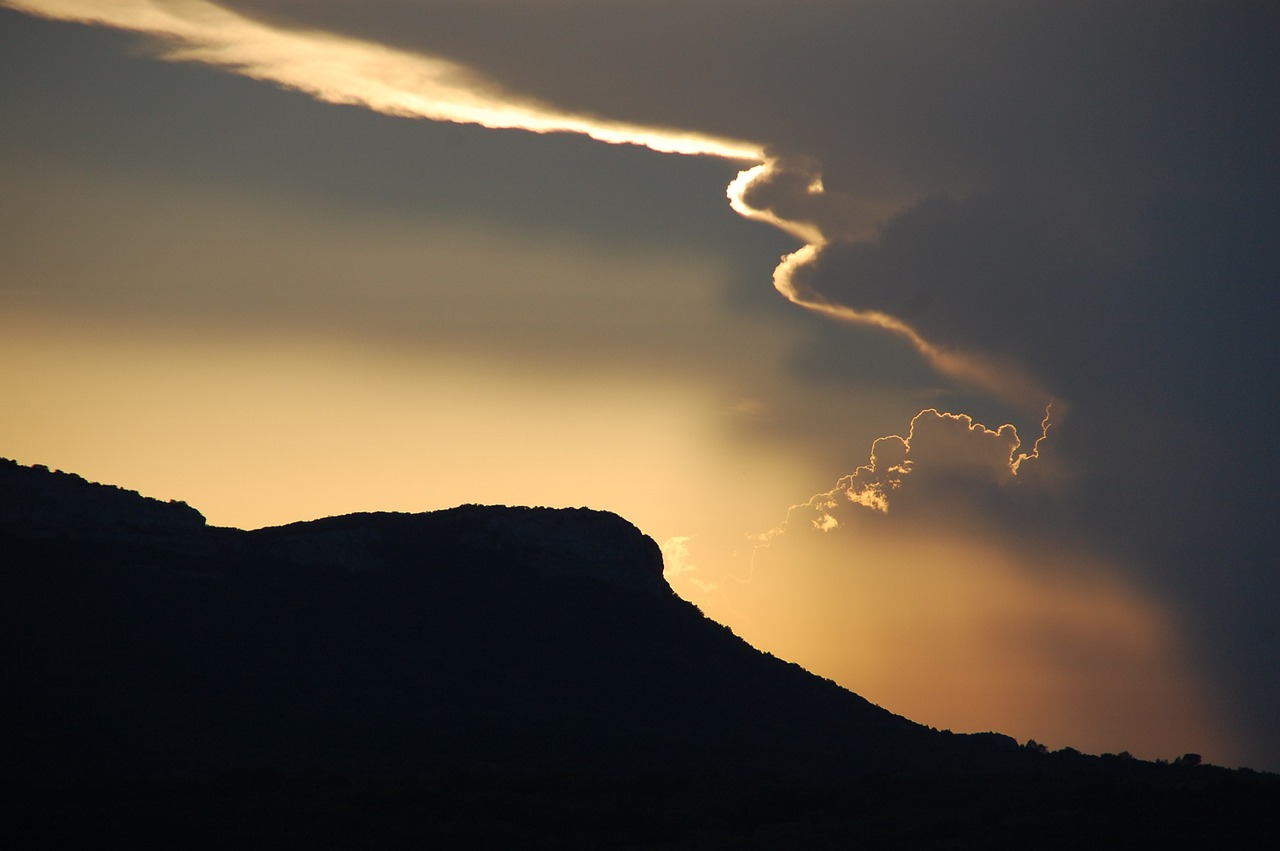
478, 674
512, 636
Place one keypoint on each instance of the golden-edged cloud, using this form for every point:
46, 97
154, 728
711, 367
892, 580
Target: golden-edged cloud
939, 447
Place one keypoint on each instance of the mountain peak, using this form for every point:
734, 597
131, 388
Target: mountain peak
571, 542
548, 543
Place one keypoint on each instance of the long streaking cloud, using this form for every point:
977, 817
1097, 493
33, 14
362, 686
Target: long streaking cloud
345, 70
786, 192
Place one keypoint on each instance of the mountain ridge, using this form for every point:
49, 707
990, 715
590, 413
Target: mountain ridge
41, 499
527, 663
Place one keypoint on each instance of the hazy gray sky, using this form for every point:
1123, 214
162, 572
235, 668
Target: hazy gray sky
277, 303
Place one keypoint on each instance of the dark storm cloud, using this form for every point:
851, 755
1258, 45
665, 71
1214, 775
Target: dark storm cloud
1109, 148
1086, 188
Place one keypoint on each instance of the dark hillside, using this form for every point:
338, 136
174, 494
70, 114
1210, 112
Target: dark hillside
477, 675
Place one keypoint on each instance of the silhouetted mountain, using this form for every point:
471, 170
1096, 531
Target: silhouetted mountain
476, 676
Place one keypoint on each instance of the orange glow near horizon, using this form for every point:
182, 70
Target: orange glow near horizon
961, 630
949, 618
948, 625
258, 430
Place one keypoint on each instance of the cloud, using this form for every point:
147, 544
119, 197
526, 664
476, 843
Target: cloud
785, 190
1063, 127
789, 194
945, 460
345, 70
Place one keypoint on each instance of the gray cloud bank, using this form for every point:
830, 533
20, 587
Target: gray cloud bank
1003, 176
1085, 188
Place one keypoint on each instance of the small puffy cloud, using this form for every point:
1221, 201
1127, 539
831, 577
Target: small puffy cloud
946, 464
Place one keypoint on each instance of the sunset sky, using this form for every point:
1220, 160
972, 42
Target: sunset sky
931, 339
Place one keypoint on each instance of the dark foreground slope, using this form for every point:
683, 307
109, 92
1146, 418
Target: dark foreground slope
475, 676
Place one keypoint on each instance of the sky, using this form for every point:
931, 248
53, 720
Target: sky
931, 340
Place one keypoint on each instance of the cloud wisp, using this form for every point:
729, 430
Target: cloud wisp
344, 70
